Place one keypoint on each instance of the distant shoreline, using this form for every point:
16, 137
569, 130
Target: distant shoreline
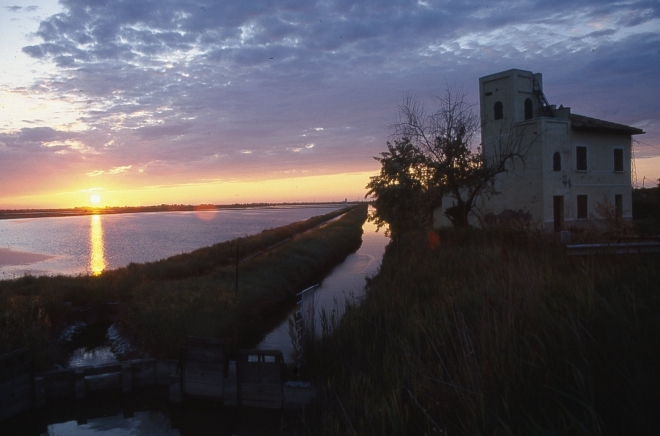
78, 211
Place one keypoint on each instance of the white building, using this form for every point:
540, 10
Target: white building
573, 162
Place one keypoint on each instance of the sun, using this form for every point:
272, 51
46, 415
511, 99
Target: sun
95, 199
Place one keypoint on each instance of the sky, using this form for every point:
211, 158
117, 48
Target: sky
145, 102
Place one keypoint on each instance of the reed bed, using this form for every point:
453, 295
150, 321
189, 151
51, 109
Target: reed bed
494, 333
162, 314
189, 293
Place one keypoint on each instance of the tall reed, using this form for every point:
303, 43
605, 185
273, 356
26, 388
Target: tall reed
161, 314
495, 333
189, 293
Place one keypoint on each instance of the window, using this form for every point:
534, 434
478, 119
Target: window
581, 156
556, 161
529, 110
582, 207
618, 159
499, 110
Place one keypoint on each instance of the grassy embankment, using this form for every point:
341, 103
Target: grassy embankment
496, 334
187, 294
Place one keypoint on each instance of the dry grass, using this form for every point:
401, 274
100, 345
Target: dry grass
494, 333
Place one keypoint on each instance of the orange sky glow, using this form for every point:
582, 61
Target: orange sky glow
237, 103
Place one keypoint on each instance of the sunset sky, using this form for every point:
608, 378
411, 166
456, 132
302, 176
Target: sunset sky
174, 101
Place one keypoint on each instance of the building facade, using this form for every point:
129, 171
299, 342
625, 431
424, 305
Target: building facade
573, 167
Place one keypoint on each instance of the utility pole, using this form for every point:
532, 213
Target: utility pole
235, 251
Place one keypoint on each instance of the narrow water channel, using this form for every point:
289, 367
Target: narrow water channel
152, 414
346, 282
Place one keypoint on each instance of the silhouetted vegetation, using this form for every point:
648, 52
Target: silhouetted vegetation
193, 291
161, 314
495, 333
433, 156
646, 210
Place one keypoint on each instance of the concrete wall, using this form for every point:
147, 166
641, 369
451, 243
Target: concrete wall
600, 182
528, 191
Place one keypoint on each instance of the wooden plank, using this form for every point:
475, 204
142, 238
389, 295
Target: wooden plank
14, 358
144, 372
198, 342
203, 380
204, 389
204, 369
175, 388
39, 391
164, 369
15, 396
103, 382
102, 369
59, 384
10, 371
260, 380
10, 385
204, 355
260, 395
260, 372
18, 401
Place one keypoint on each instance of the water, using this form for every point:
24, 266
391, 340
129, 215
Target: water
91, 244
148, 413
134, 415
345, 283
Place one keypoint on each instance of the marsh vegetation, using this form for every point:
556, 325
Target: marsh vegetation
188, 294
495, 333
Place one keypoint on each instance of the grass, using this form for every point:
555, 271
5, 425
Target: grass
161, 314
187, 294
495, 333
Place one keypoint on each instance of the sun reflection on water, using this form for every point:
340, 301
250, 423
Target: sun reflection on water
97, 255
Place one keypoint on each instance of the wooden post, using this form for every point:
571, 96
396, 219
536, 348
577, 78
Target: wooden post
235, 251
16, 383
126, 378
79, 383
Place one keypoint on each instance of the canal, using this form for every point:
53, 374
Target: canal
150, 413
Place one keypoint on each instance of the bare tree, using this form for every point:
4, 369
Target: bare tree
453, 165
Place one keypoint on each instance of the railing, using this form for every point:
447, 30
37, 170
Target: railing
616, 248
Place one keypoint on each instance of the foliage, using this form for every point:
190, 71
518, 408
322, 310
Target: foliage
162, 314
609, 221
646, 210
495, 333
399, 190
187, 294
441, 159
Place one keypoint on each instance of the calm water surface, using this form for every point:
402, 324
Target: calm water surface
91, 244
346, 281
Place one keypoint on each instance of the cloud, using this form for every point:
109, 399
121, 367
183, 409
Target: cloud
111, 171
209, 89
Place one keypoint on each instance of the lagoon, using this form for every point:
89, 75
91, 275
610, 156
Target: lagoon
90, 244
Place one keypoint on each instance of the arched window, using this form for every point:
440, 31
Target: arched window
556, 161
529, 110
499, 110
